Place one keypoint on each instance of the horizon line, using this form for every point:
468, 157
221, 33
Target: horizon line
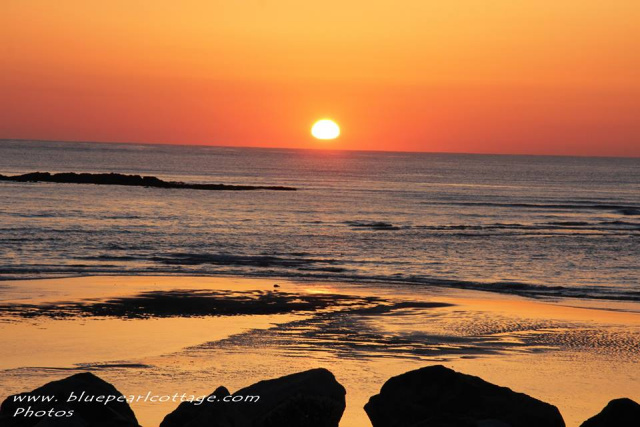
317, 149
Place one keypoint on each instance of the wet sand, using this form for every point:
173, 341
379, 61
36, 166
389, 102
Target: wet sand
192, 334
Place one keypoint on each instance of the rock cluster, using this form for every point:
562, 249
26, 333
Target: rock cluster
434, 396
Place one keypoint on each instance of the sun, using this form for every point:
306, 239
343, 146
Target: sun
325, 129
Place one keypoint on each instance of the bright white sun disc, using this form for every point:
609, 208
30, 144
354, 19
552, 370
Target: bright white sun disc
325, 129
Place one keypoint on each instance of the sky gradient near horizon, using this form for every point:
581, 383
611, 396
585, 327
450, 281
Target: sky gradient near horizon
502, 76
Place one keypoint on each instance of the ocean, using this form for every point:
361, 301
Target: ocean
530, 225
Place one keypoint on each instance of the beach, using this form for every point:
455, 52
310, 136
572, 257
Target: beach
572, 353
521, 270
235, 214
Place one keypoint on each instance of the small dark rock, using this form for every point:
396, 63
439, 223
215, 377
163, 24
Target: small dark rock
307, 399
206, 413
436, 396
618, 413
85, 414
373, 225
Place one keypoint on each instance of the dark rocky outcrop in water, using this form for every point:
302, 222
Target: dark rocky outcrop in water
307, 399
619, 413
436, 396
83, 414
130, 180
373, 225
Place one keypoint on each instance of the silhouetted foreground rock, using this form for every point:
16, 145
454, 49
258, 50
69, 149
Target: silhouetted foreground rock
63, 412
307, 399
130, 180
436, 396
618, 413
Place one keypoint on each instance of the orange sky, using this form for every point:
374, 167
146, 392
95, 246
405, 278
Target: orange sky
490, 76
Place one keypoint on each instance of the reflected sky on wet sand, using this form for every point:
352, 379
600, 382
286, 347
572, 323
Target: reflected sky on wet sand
189, 334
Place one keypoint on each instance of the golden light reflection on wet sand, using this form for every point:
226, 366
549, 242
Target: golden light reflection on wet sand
574, 357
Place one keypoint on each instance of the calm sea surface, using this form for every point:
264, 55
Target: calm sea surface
520, 224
